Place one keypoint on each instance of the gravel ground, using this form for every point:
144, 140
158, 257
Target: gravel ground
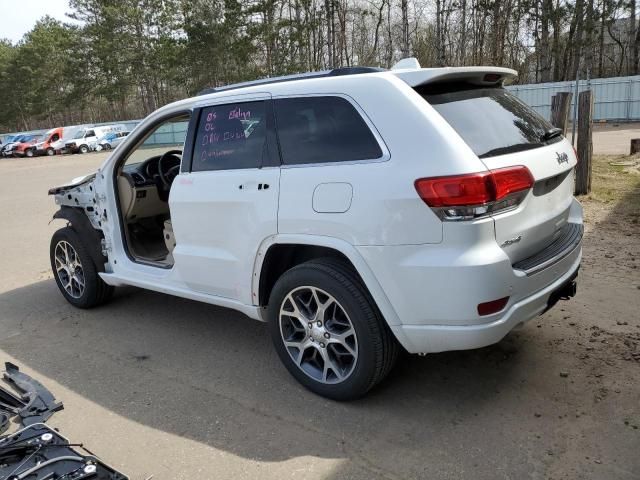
176, 389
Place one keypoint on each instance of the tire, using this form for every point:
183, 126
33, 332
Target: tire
83, 149
51, 152
95, 291
106, 146
28, 153
358, 361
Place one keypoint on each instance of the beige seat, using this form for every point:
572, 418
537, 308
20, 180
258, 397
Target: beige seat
125, 192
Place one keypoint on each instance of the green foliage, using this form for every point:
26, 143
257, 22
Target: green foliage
122, 59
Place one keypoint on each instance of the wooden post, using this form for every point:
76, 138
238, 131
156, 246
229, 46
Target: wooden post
635, 146
585, 145
560, 106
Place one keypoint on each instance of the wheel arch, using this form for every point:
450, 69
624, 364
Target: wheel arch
278, 254
81, 224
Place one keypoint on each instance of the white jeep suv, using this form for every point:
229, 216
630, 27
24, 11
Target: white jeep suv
354, 210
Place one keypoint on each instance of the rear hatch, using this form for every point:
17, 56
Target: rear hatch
504, 132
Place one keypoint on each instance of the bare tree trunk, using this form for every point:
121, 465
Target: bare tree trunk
376, 40
577, 41
404, 7
556, 42
439, 35
589, 39
601, 40
633, 39
463, 34
495, 39
545, 54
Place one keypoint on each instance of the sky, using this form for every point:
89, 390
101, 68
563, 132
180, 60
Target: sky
17, 17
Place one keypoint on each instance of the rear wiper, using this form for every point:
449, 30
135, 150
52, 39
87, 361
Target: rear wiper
551, 133
518, 147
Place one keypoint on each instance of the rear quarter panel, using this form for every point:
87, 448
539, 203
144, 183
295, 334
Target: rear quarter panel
385, 208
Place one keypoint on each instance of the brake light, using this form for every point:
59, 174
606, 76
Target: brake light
463, 197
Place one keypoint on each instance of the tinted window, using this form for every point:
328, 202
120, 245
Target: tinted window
231, 136
90, 133
323, 129
490, 120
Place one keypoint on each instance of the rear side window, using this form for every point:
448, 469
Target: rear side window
490, 120
231, 136
321, 130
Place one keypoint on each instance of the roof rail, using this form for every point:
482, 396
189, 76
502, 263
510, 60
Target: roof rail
336, 72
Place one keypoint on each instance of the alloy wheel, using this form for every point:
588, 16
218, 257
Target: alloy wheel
69, 269
318, 335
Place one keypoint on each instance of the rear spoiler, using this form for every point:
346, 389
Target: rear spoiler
474, 75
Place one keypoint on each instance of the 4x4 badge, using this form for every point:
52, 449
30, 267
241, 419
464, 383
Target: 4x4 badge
562, 158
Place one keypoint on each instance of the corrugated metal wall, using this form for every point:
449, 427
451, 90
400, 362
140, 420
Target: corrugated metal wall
616, 98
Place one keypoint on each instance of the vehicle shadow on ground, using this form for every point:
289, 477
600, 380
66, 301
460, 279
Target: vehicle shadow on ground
211, 375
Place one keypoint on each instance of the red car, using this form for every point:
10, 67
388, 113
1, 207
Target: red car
25, 147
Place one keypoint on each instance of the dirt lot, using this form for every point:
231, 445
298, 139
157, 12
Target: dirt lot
177, 389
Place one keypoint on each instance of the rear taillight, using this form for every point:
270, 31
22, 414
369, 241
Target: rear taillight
464, 197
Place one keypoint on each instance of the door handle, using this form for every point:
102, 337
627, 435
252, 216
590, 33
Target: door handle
251, 185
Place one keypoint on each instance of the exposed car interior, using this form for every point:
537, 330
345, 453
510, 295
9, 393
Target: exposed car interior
144, 182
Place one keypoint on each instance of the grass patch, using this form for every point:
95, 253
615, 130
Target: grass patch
616, 186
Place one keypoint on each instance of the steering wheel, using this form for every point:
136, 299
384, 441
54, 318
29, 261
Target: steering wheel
167, 177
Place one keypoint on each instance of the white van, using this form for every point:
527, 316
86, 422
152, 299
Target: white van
86, 139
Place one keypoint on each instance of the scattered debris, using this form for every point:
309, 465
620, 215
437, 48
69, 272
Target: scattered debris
35, 405
38, 452
4, 421
564, 374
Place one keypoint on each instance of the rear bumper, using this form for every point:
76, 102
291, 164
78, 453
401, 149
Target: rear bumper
435, 289
440, 338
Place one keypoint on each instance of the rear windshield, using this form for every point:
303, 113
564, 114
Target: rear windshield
490, 120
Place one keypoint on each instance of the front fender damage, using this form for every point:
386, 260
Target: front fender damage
80, 207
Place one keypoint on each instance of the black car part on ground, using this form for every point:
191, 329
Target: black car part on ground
36, 404
38, 452
4, 421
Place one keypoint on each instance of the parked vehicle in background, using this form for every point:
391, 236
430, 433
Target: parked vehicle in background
112, 140
44, 147
26, 142
264, 204
10, 144
87, 139
69, 132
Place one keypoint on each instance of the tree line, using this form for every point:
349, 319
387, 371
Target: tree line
122, 59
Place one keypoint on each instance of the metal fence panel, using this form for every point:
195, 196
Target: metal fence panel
615, 99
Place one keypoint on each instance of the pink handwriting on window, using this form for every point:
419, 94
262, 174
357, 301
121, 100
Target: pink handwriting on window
207, 154
211, 116
239, 113
233, 135
210, 138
